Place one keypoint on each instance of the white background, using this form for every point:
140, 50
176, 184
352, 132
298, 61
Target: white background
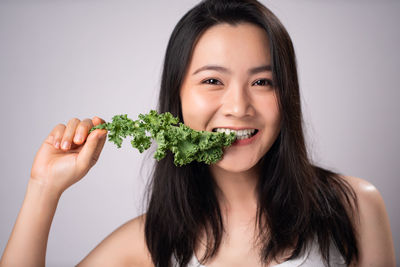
65, 59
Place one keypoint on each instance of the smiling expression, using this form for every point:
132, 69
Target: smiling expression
228, 85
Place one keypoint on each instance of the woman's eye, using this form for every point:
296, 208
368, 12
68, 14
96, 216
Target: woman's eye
263, 82
212, 81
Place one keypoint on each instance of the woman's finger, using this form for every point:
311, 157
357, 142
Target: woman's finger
90, 152
69, 133
82, 131
56, 135
96, 121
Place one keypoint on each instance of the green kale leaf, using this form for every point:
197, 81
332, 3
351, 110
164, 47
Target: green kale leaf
185, 143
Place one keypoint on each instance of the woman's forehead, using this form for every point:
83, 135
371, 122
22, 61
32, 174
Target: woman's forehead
228, 44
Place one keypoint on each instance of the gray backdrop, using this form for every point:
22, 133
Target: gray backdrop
65, 59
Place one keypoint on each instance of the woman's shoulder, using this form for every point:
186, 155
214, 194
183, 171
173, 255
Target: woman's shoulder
369, 198
364, 190
372, 224
360, 185
126, 246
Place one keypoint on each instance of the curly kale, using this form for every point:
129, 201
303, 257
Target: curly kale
185, 143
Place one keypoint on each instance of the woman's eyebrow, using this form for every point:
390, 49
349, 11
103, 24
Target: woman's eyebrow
260, 69
212, 67
251, 71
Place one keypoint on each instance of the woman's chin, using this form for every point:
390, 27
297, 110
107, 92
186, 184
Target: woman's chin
234, 166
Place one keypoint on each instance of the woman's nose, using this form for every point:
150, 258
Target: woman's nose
237, 102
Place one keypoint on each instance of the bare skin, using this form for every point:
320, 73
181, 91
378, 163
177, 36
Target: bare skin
237, 99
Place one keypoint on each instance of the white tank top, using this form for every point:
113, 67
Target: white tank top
312, 258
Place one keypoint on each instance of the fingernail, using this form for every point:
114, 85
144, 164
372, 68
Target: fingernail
57, 145
65, 145
77, 138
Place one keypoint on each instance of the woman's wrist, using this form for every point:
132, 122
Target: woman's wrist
44, 190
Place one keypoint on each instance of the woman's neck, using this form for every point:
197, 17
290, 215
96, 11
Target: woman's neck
237, 192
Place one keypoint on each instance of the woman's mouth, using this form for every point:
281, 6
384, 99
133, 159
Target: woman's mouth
243, 136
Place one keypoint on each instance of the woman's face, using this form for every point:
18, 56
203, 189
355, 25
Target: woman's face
228, 85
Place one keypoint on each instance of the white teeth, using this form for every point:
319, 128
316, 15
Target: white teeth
240, 134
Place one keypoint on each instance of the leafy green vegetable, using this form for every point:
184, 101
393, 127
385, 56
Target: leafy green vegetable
185, 143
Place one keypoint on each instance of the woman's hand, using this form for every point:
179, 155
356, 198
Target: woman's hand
68, 153
54, 169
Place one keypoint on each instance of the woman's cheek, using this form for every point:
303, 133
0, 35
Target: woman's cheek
198, 109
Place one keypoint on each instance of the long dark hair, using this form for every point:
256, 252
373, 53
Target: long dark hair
298, 202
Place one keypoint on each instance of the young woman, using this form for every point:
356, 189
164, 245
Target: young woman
228, 65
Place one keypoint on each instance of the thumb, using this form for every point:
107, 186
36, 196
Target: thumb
91, 150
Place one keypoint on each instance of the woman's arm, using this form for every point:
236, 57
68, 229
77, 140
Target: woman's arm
55, 168
126, 246
375, 238
30, 234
